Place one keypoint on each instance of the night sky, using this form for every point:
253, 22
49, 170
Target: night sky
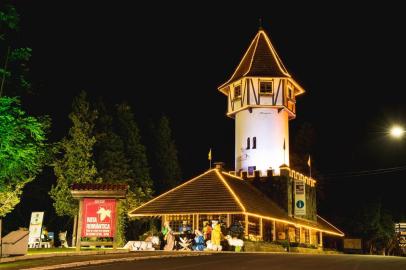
171, 58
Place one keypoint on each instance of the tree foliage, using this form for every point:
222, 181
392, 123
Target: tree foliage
23, 150
167, 172
14, 67
74, 161
302, 146
120, 158
111, 161
374, 225
141, 183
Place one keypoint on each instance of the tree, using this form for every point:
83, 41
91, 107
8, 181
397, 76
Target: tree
74, 161
374, 225
23, 151
165, 156
302, 146
141, 184
13, 67
119, 162
111, 162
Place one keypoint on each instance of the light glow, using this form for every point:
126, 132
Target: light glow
169, 191
244, 211
231, 191
397, 131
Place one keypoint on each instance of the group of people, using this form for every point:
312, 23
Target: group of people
212, 237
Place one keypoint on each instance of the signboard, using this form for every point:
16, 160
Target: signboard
98, 216
300, 198
35, 227
352, 243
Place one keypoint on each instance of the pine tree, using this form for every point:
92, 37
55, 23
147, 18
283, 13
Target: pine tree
165, 156
111, 162
141, 183
74, 162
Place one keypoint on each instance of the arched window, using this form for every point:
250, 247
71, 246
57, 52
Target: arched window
248, 143
254, 143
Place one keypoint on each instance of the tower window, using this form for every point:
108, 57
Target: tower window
254, 143
290, 93
237, 91
266, 88
251, 170
248, 143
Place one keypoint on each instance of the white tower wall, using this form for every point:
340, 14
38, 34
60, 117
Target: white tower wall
271, 129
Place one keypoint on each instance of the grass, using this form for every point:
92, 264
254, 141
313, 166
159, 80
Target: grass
18, 265
33, 251
54, 259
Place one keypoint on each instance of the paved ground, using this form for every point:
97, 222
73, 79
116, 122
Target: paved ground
49, 261
264, 261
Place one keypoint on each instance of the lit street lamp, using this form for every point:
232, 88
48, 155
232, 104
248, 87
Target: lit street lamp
397, 131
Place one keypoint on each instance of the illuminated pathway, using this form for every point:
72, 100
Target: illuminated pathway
265, 261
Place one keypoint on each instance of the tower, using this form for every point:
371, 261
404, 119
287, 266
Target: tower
261, 97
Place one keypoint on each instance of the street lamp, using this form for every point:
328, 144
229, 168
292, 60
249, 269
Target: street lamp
397, 132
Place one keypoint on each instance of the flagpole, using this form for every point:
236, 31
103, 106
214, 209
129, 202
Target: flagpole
210, 158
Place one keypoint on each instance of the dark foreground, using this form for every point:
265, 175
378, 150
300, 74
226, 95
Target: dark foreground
264, 261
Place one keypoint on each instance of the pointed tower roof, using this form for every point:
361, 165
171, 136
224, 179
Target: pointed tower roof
260, 60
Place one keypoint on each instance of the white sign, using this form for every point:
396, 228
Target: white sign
300, 198
35, 226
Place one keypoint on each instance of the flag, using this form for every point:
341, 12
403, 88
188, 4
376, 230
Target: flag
209, 156
309, 162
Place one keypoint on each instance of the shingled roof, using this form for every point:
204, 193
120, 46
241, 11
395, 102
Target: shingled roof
92, 186
260, 60
218, 192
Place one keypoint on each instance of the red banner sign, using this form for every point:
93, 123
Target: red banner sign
98, 216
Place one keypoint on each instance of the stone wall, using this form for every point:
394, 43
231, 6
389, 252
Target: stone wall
280, 190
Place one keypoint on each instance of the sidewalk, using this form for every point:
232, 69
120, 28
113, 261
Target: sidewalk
76, 259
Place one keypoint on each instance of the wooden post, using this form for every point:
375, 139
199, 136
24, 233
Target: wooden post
75, 226
273, 230
261, 228
310, 236
246, 226
163, 221
228, 220
197, 222
193, 223
116, 223
79, 229
300, 234
321, 239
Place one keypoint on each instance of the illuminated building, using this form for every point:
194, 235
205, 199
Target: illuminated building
271, 200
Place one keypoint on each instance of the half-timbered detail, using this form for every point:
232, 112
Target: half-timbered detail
271, 201
267, 103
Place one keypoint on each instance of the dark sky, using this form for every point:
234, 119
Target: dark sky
170, 58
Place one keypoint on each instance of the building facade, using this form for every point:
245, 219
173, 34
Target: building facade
272, 201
